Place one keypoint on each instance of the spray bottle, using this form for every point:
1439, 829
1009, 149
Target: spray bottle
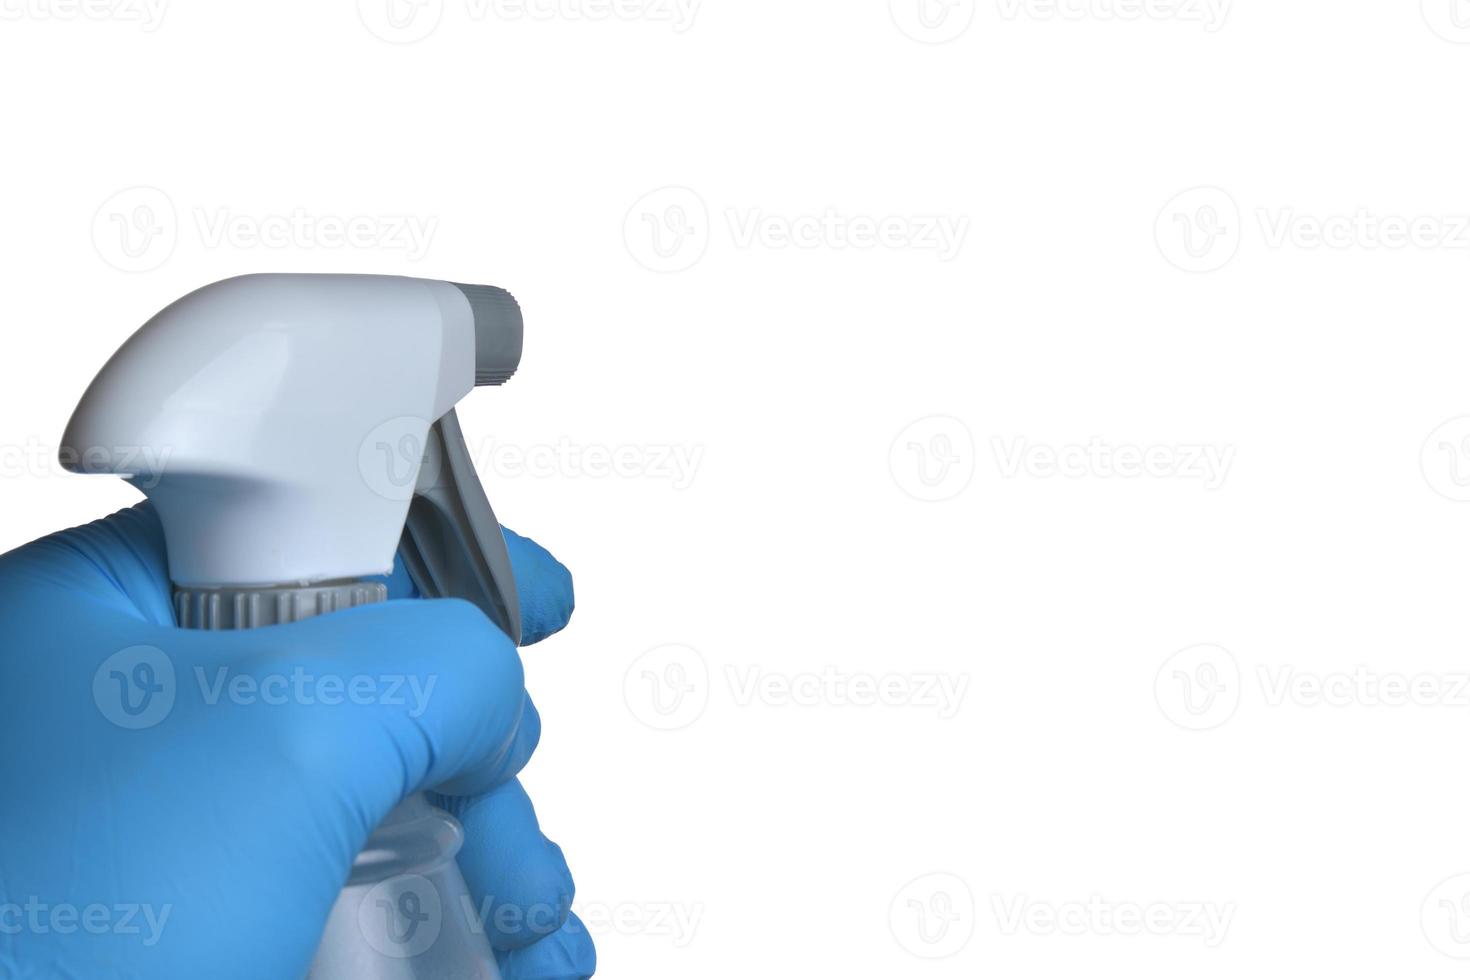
303, 431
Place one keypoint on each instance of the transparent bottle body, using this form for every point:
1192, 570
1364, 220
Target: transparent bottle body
406, 913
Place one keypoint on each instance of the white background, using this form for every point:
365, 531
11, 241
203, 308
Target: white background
1188, 225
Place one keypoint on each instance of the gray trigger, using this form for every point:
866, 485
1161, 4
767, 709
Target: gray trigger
452, 545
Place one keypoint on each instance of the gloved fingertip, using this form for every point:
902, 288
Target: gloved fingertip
547, 595
504, 767
567, 954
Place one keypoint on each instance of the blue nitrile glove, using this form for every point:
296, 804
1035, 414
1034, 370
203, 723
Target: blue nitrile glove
187, 804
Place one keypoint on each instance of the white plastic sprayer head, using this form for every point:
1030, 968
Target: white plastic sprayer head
279, 423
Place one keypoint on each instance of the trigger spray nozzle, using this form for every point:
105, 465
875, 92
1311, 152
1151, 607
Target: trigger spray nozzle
264, 398
499, 332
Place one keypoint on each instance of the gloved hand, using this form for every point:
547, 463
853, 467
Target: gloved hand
187, 804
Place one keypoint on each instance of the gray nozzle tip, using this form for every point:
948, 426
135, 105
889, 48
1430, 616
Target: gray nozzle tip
499, 331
